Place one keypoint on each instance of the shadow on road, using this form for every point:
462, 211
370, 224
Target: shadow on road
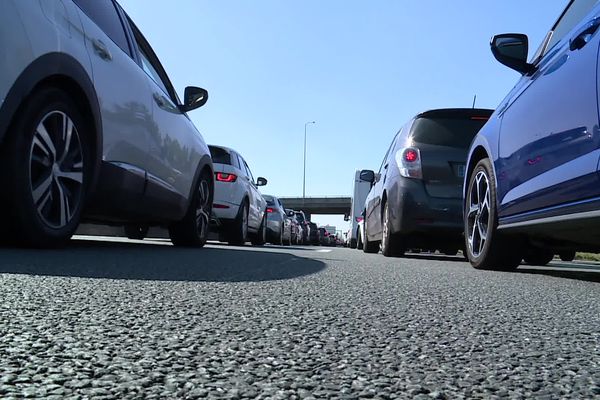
591, 276
152, 261
434, 257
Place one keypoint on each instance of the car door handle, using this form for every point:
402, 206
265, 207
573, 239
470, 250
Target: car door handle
101, 49
585, 35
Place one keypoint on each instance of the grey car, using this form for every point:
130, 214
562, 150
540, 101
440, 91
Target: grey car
416, 197
279, 225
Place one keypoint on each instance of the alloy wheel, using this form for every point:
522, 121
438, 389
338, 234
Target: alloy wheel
203, 208
478, 213
56, 169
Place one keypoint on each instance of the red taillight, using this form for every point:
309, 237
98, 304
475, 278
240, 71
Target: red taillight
359, 219
478, 118
223, 177
411, 155
215, 205
270, 210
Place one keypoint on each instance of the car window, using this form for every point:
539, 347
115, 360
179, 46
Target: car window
387, 153
450, 132
151, 65
219, 155
571, 17
250, 176
105, 15
241, 165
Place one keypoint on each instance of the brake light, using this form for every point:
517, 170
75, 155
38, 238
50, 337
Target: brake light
409, 163
478, 118
270, 210
223, 206
359, 219
411, 155
223, 177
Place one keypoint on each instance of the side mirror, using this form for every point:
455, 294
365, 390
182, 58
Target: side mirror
367, 175
261, 182
194, 97
512, 49
346, 218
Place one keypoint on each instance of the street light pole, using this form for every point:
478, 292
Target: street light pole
304, 175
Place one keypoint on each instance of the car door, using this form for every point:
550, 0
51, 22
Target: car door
549, 138
175, 146
373, 209
121, 86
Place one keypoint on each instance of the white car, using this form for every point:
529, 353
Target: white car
91, 128
239, 209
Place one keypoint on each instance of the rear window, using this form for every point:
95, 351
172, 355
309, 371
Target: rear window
270, 200
451, 132
220, 156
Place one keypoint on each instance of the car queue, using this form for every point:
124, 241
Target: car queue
92, 130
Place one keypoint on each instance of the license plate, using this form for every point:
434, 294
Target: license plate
461, 171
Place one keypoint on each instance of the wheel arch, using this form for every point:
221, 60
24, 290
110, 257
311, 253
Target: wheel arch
65, 72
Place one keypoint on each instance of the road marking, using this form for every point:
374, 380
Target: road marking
323, 251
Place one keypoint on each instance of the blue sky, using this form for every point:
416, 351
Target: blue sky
360, 69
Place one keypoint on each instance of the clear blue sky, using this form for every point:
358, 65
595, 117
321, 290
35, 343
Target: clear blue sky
359, 68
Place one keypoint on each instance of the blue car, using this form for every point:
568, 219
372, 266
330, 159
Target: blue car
532, 187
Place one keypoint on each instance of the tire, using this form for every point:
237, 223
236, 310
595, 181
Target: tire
567, 256
47, 165
260, 237
369, 247
353, 243
136, 232
539, 257
359, 240
194, 228
486, 247
237, 234
391, 244
280, 241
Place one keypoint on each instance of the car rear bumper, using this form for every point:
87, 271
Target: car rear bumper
413, 211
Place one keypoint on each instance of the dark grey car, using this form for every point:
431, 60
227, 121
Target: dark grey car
416, 198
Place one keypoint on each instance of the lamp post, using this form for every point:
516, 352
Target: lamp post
304, 175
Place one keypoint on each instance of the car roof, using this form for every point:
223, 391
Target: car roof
455, 112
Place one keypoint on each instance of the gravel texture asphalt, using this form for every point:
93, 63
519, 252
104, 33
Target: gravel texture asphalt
146, 320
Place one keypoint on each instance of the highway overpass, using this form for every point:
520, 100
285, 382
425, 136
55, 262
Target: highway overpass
319, 205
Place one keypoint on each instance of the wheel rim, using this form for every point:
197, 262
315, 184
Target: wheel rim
56, 169
478, 213
203, 209
386, 229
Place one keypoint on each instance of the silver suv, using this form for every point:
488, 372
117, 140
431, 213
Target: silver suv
92, 129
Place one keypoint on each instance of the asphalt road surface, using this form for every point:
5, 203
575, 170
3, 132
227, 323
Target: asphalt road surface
122, 319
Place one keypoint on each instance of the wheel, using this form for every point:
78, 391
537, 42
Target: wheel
486, 247
46, 164
567, 255
136, 232
539, 257
369, 247
260, 238
353, 243
193, 229
280, 241
237, 234
391, 244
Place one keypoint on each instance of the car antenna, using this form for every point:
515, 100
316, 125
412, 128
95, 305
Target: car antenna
474, 100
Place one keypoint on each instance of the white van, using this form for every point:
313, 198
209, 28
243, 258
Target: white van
359, 195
